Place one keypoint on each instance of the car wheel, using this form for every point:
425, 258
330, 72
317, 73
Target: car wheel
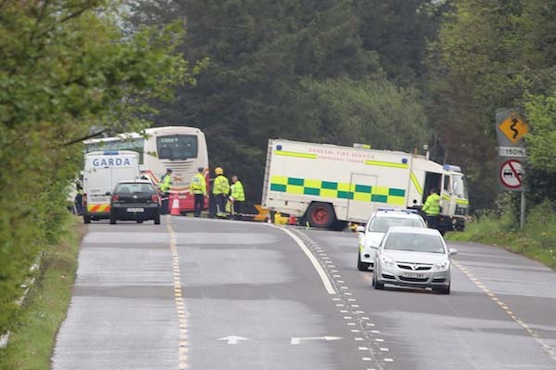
444, 290
321, 215
157, 220
139, 221
86, 219
361, 266
112, 220
376, 284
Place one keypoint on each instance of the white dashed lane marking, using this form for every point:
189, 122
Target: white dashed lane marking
349, 310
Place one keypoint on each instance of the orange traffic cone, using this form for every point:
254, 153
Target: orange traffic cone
175, 207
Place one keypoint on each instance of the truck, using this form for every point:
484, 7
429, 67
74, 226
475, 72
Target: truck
328, 186
102, 172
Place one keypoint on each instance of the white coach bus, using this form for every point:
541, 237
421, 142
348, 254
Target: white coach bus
179, 148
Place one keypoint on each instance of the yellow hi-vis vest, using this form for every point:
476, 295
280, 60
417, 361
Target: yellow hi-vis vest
237, 191
165, 183
432, 205
220, 185
198, 184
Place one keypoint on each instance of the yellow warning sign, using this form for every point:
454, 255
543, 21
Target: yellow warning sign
514, 128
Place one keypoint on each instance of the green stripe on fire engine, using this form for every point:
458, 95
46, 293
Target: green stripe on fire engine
335, 190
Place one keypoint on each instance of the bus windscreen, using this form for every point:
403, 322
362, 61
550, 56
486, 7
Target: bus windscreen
177, 147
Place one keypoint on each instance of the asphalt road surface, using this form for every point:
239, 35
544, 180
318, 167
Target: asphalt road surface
213, 294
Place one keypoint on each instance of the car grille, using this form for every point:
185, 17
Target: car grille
413, 280
414, 266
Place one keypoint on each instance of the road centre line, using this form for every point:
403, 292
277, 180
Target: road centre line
327, 284
179, 302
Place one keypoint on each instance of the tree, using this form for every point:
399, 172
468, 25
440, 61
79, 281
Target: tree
489, 55
288, 69
66, 67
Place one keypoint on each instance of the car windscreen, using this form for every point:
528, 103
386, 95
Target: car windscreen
135, 189
414, 242
381, 224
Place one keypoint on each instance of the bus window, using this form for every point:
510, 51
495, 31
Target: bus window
177, 147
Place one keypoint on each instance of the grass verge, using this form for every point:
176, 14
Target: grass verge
537, 240
32, 340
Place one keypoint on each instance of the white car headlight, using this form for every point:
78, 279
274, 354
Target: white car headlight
441, 266
387, 261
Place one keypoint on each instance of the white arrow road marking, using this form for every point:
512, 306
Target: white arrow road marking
233, 339
295, 340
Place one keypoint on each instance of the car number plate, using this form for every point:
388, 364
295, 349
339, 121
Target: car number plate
135, 210
413, 275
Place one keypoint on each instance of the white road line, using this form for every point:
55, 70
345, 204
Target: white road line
327, 284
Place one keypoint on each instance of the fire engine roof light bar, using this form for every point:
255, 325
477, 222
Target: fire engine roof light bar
451, 167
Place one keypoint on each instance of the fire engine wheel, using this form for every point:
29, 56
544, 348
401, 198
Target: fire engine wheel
86, 219
321, 215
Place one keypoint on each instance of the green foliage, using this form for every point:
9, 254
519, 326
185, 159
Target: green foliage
372, 111
66, 68
490, 55
302, 70
541, 112
537, 239
32, 340
541, 223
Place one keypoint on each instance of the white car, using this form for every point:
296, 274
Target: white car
416, 257
372, 233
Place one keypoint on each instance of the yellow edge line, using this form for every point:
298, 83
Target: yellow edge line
549, 350
178, 298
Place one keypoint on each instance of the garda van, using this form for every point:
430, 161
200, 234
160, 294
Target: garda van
103, 170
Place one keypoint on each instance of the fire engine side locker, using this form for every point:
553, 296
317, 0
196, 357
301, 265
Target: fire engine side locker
299, 174
358, 205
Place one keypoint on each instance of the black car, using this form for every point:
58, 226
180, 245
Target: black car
135, 201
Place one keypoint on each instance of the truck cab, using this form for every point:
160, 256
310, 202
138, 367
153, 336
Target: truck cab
453, 197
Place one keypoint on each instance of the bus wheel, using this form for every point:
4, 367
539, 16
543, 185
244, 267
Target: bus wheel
321, 215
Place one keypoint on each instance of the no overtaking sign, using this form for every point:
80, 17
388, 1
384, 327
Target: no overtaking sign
511, 174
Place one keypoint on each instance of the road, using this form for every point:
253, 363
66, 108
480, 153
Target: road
213, 294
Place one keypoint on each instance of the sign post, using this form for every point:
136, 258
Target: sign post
510, 129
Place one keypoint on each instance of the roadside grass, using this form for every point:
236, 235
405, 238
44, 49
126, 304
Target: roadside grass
32, 339
537, 240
